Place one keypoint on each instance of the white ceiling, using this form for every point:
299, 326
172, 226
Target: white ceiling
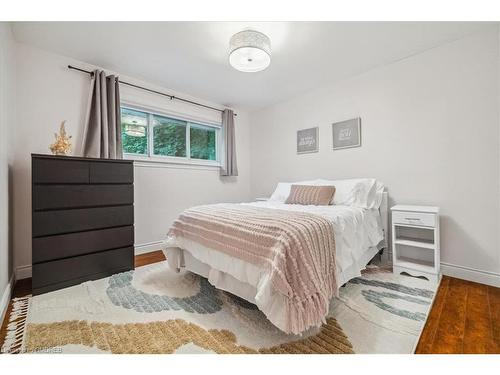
191, 57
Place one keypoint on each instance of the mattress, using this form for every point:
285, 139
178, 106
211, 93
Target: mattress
358, 231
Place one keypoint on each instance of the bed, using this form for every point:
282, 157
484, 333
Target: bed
359, 230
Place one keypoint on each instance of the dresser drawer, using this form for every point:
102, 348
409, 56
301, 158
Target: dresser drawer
74, 244
47, 197
111, 173
47, 223
50, 171
82, 267
414, 218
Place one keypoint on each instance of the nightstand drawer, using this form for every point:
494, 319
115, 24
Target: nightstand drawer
414, 218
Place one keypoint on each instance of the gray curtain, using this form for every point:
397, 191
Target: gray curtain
102, 135
229, 167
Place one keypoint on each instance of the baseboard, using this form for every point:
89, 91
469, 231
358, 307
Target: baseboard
471, 274
148, 247
23, 272
4, 302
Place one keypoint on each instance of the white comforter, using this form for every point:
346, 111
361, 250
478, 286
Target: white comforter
357, 233
356, 229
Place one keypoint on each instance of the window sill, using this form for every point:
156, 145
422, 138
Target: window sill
171, 163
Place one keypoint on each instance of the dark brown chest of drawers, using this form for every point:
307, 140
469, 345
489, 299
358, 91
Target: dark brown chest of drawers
82, 220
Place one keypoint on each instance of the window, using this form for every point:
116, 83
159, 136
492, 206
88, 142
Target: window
167, 138
203, 142
134, 132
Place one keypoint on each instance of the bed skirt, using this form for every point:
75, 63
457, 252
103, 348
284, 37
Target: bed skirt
249, 276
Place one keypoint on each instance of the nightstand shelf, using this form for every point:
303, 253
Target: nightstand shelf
416, 264
415, 241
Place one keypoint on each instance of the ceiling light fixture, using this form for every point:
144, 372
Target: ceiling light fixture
249, 51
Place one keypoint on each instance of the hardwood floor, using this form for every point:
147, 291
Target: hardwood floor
21, 289
148, 258
465, 317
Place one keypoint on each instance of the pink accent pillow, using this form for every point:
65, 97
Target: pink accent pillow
314, 195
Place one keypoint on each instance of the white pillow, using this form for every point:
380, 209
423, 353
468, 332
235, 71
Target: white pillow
378, 194
346, 191
359, 192
282, 190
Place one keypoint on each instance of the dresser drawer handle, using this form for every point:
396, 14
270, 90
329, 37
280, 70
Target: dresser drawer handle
412, 218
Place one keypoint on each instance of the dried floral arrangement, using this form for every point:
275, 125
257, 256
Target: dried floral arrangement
62, 145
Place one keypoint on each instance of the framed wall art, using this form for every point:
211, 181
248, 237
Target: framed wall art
307, 140
346, 134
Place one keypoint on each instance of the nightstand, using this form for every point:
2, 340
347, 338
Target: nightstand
415, 241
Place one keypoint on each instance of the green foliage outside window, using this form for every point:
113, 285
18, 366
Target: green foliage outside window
134, 132
134, 145
203, 143
169, 137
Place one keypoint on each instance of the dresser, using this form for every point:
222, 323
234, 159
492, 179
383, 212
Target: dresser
82, 220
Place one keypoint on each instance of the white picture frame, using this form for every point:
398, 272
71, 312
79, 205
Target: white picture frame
346, 134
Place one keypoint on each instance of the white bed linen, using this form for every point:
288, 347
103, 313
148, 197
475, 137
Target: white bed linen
358, 231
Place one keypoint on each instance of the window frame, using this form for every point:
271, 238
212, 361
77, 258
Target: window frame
151, 157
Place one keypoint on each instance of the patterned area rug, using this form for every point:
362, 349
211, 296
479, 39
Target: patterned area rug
154, 310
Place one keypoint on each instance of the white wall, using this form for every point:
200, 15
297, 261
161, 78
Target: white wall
7, 118
48, 93
430, 127
430, 131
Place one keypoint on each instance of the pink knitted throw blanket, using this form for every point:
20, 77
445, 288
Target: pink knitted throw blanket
297, 249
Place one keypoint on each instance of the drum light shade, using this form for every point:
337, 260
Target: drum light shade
250, 51
135, 130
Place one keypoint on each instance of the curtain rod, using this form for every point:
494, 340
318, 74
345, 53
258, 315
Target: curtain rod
171, 97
